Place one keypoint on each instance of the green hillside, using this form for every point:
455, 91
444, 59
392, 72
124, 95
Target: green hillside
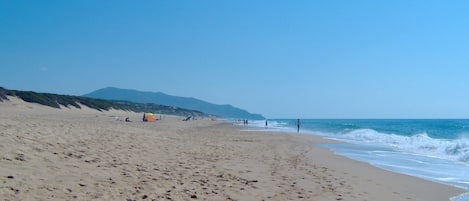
55, 101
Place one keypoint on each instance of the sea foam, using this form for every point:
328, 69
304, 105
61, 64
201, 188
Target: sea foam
421, 144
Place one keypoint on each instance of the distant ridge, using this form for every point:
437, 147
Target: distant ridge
56, 101
224, 111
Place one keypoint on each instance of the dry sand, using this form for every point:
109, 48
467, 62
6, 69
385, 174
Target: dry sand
71, 154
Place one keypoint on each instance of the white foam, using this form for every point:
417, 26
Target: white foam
462, 197
421, 144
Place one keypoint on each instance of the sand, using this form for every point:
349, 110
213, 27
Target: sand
72, 154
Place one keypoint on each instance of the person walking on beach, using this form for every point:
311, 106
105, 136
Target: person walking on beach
298, 124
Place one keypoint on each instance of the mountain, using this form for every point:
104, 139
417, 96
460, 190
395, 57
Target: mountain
56, 101
225, 111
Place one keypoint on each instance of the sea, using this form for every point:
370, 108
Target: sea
432, 149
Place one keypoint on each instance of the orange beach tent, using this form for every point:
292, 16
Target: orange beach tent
150, 117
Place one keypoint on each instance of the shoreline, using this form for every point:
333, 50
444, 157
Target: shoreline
435, 170
366, 174
71, 154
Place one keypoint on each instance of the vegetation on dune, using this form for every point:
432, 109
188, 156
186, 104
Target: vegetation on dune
56, 101
3, 94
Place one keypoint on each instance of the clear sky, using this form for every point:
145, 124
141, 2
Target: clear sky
306, 59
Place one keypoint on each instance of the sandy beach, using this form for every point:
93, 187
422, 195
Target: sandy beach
84, 154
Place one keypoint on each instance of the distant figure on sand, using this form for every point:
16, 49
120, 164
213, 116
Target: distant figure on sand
127, 119
298, 124
266, 123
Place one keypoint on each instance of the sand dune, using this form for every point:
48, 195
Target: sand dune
72, 154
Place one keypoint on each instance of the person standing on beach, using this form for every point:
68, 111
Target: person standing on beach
266, 123
298, 124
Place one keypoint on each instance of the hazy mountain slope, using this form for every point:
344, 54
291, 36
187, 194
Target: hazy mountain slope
226, 111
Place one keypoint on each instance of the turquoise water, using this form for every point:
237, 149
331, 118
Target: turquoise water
433, 149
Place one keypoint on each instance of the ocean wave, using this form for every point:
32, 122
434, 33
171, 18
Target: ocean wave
421, 144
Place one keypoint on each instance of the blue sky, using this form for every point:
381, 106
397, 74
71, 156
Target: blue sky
307, 59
